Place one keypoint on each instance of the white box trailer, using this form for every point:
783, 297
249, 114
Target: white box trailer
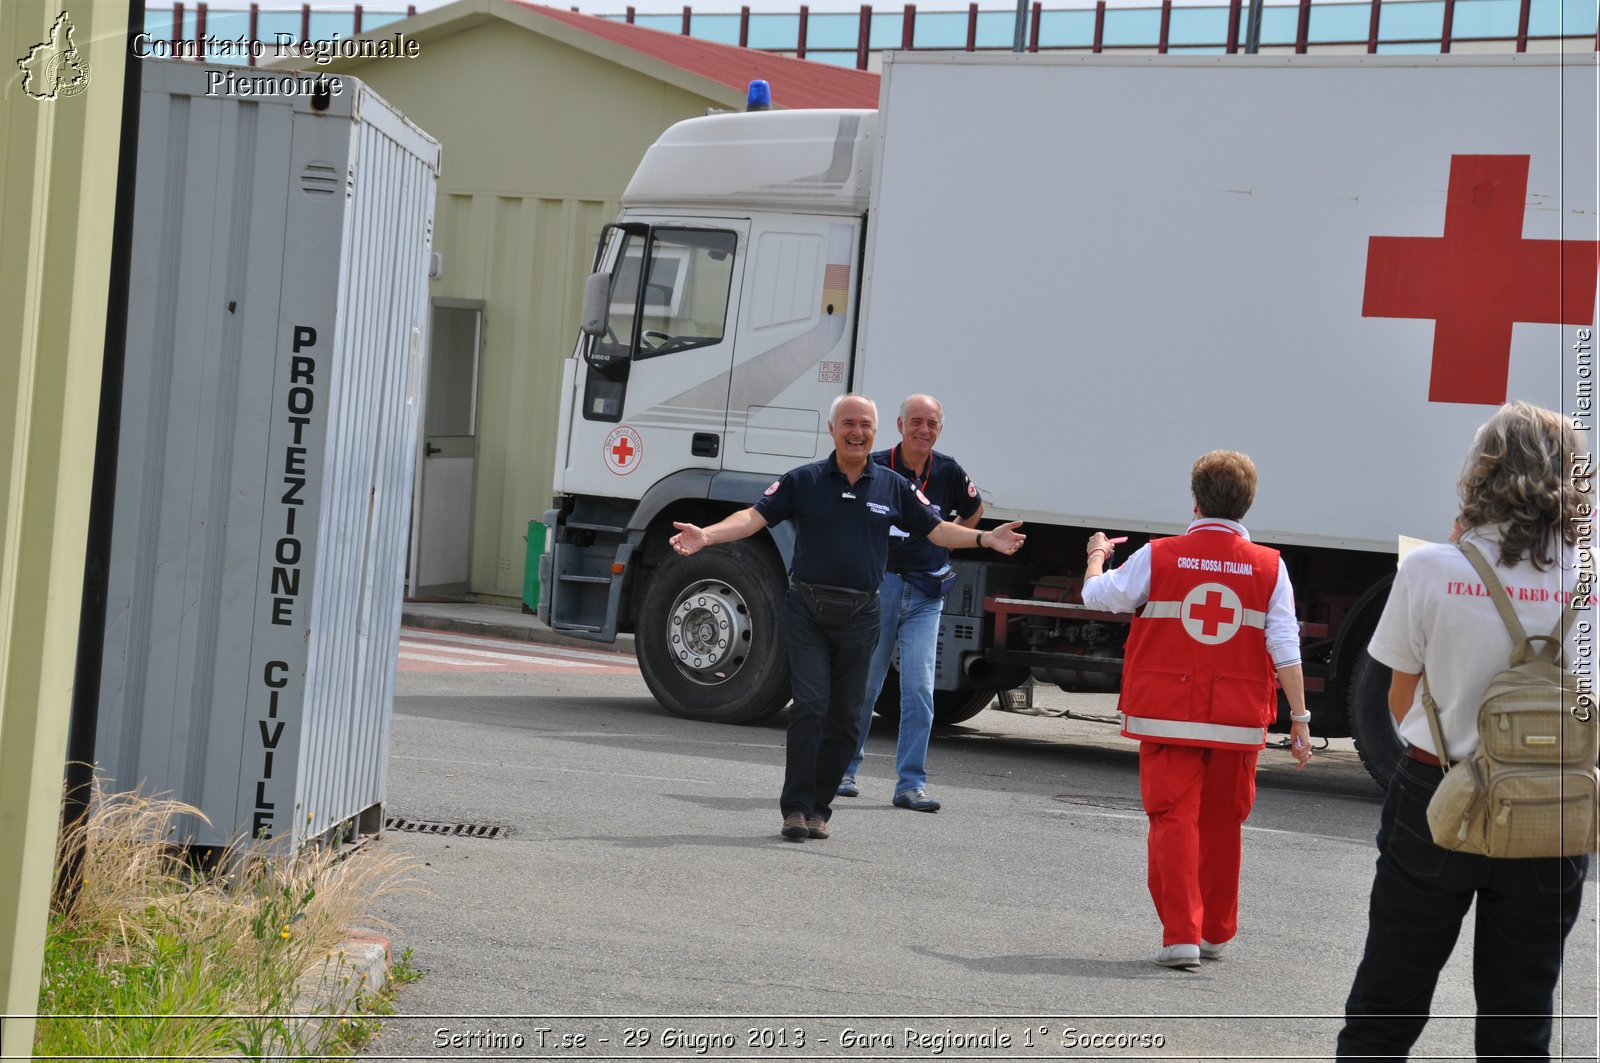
277, 311
1104, 266
1199, 253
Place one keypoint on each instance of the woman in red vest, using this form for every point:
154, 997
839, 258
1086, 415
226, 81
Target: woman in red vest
1215, 636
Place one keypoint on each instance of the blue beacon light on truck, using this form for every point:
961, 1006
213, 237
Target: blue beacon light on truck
759, 98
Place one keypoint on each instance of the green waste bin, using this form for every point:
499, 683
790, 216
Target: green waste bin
530, 572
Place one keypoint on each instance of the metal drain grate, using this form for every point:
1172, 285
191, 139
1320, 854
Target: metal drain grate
457, 830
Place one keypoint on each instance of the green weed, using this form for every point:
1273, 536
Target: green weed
156, 959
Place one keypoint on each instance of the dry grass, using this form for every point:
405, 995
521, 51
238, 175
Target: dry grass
240, 954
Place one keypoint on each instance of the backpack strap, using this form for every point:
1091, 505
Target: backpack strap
1554, 650
1431, 708
1502, 602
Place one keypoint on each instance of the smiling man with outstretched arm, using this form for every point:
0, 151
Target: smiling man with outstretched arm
843, 507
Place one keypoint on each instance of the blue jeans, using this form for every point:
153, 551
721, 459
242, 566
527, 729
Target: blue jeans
828, 670
1419, 897
911, 618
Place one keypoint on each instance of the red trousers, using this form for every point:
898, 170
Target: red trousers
1197, 799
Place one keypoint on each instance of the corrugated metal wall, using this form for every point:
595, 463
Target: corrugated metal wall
58, 222
375, 402
266, 454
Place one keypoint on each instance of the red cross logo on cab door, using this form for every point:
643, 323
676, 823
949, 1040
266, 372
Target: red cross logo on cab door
1479, 278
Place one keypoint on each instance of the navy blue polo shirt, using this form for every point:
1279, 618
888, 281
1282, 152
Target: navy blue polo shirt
842, 529
952, 494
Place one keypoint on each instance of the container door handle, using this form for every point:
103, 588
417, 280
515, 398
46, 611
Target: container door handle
430, 450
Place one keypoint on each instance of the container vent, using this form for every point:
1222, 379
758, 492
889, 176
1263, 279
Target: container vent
319, 179
458, 830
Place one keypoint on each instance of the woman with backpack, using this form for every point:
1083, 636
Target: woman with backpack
1526, 502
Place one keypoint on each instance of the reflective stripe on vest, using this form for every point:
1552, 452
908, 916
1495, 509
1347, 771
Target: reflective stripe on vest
1208, 733
1174, 611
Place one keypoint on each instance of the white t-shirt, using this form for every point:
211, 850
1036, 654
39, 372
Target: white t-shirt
1441, 621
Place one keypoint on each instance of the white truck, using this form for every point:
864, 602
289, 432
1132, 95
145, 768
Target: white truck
1104, 266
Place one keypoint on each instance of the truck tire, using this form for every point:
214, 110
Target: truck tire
957, 706
949, 706
1371, 724
709, 638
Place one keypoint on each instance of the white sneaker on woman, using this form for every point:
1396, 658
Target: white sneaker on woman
1184, 956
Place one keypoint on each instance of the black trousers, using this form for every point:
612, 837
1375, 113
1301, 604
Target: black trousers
1420, 896
828, 673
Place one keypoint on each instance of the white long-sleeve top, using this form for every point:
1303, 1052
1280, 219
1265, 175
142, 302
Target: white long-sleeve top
1127, 587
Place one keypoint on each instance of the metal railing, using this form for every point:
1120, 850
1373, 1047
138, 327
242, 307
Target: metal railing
851, 38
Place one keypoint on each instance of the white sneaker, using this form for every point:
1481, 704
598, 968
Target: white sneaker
1184, 956
1208, 951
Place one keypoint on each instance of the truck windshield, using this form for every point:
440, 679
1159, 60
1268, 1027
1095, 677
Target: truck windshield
685, 295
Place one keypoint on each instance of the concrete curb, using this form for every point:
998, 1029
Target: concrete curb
331, 991
491, 624
367, 956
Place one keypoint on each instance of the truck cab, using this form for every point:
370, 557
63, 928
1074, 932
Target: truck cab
719, 326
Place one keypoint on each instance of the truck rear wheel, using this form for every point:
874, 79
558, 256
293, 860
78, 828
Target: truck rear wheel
1371, 724
709, 637
949, 706
957, 706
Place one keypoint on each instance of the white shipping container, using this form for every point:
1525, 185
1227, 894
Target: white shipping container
274, 357
1137, 260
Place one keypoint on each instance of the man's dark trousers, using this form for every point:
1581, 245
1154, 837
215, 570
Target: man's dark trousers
1419, 897
828, 675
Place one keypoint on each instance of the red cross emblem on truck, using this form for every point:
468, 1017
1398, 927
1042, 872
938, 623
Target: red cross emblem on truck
623, 450
1479, 278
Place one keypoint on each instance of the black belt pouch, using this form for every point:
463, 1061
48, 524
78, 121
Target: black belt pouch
933, 584
833, 606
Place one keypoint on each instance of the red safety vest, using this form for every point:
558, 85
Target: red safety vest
1198, 672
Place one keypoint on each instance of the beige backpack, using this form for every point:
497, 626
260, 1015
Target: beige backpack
1531, 789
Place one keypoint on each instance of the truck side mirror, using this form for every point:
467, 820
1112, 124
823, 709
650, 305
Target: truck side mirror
596, 304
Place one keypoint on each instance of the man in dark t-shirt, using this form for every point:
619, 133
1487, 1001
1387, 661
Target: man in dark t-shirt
843, 507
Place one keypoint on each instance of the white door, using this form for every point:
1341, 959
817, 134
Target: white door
796, 323
652, 393
449, 454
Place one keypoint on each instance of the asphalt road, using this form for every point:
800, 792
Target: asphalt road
639, 902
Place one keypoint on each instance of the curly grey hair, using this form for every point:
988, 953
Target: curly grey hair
1524, 475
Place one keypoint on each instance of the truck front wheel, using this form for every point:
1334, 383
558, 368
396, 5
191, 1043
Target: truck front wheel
1371, 723
709, 640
